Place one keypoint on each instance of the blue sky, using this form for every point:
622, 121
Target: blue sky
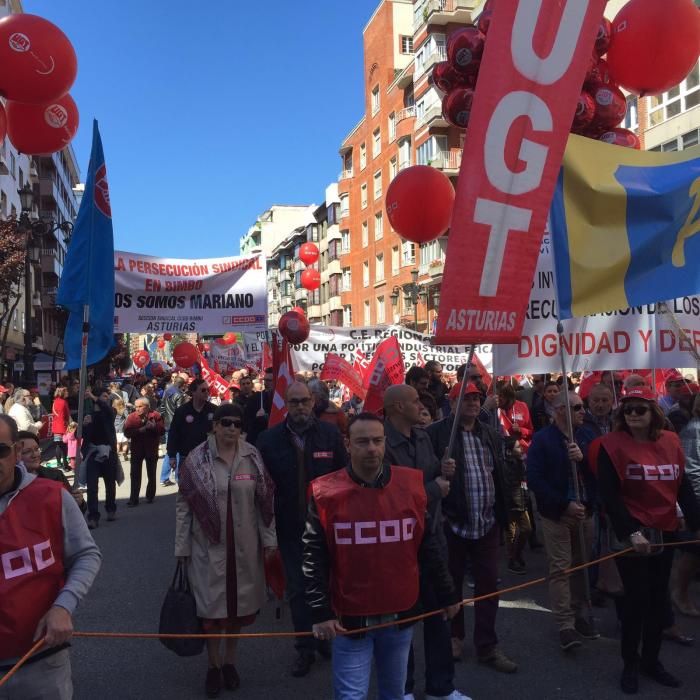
210, 112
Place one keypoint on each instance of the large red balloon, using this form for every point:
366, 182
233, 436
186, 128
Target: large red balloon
654, 44
230, 338
621, 137
585, 111
598, 73
457, 106
167, 336
299, 310
38, 61
484, 21
464, 50
610, 105
185, 354
419, 203
3, 123
141, 358
602, 40
42, 129
445, 78
294, 327
310, 279
308, 253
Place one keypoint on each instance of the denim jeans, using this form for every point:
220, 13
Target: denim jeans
166, 468
291, 551
352, 663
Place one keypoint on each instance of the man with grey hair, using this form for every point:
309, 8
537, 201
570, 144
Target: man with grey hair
21, 414
564, 505
144, 428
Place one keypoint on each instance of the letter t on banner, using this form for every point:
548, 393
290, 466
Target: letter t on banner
531, 75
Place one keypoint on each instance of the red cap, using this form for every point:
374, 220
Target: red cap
689, 389
674, 376
639, 392
471, 388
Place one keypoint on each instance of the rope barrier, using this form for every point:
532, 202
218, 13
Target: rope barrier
403, 621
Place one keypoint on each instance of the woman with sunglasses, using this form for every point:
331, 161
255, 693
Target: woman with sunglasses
224, 530
641, 478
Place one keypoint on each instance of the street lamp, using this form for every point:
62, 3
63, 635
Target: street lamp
412, 293
34, 231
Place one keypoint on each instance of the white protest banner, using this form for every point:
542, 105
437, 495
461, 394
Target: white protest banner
638, 338
310, 355
206, 295
228, 358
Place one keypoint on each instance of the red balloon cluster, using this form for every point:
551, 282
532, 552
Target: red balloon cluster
294, 327
309, 254
37, 69
167, 336
185, 355
141, 358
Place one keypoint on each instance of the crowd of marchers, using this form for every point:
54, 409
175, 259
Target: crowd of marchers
374, 518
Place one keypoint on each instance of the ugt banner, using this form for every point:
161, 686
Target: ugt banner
529, 82
208, 295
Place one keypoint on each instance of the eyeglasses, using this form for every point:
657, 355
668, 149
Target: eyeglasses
675, 385
228, 422
636, 410
299, 402
5, 449
577, 407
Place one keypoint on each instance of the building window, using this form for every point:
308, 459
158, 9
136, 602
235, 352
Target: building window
408, 253
334, 285
13, 165
377, 185
20, 181
365, 234
378, 226
3, 204
632, 116
379, 268
406, 44
344, 205
679, 142
432, 151
393, 168
347, 279
376, 142
381, 315
347, 315
334, 250
363, 156
345, 240
392, 127
375, 99
365, 273
363, 196
404, 153
366, 315
680, 99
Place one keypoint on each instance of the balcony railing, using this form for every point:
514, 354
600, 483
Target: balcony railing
345, 174
406, 113
438, 54
431, 112
447, 160
444, 12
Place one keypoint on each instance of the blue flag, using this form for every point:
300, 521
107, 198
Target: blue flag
625, 227
88, 273
148, 369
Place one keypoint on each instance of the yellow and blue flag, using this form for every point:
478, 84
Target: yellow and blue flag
625, 227
88, 272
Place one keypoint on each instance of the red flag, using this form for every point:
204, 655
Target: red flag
361, 364
217, 385
530, 80
284, 376
335, 367
420, 360
485, 376
385, 369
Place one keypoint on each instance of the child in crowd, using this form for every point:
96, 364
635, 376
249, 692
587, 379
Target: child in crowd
71, 443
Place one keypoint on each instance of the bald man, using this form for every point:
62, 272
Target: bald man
295, 452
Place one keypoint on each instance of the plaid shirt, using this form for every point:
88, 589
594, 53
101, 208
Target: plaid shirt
479, 487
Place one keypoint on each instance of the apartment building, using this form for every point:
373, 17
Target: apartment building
273, 226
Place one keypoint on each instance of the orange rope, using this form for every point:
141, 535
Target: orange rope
403, 621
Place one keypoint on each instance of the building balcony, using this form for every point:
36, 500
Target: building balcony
298, 266
439, 54
335, 303
432, 116
333, 233
405, 113
345, 175
442, 12
448, 161
50, 267
300, 294
48, 188
285, 275
315, 311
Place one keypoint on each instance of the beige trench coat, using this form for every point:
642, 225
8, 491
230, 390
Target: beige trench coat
207, 561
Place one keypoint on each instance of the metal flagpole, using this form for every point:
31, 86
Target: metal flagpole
574, 473
458, 405
612, 383
82, 387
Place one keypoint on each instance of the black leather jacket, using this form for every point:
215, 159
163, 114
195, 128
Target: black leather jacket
317, 566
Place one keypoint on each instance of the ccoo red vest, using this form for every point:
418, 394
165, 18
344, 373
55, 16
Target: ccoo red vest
31, 563
650, 474
373, 538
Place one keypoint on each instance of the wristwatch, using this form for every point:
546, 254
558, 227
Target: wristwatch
637, 532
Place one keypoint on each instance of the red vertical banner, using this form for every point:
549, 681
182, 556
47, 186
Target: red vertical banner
530, 79
284, 376
385, 369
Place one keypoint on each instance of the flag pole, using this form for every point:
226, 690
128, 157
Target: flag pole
574, 473
82, 387
458, 405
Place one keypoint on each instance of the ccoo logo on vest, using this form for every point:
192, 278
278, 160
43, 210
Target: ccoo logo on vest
652, 472
373, 532
19, 562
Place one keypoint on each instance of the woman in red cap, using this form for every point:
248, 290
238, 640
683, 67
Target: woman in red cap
641, 476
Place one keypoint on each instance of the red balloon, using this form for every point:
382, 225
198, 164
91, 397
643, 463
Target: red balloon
457, 106
3, 123
161, 344
230, 338
484, 21
42, 129
610, 105
602, 39
419, 203
465, 48
157, 369
167, 336
141, 358
294, 327
621, 137
38, 61
185, 354
299, 310
585, 111
308, 253
310, 279
598, 73
654, 44
445, 78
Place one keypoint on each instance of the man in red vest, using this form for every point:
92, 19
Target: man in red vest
48, 561
366, 541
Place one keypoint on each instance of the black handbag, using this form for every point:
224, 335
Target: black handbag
178, 615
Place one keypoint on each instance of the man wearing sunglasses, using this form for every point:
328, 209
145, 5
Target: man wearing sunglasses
49, 561
295, 452
550, 478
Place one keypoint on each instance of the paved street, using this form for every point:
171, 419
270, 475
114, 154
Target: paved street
136, 571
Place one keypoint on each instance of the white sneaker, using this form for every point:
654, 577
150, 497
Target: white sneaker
409, 696
454, 695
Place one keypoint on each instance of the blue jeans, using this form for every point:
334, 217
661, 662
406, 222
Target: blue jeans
352, 663
165, 469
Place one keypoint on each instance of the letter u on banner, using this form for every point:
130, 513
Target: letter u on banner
530, 79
